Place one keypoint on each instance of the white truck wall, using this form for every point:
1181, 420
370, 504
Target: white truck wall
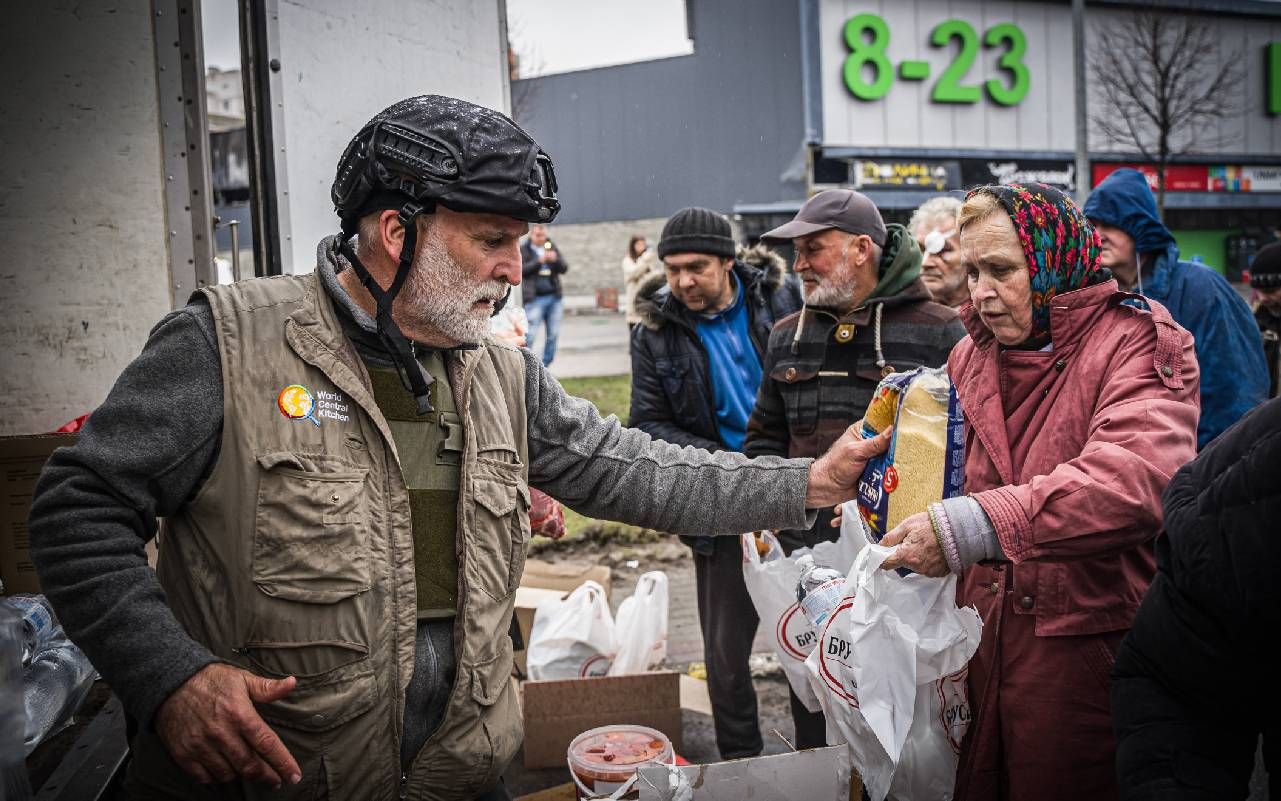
342, 63
85, 273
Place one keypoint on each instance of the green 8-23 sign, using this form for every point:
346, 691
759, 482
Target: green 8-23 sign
867, 36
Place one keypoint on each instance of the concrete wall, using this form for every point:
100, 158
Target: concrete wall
85, 273
713, 129
595, 251
342, 63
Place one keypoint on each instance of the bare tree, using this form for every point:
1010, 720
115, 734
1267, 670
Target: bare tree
1162, 93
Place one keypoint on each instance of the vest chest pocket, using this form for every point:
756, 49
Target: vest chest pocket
311, 530
500, 531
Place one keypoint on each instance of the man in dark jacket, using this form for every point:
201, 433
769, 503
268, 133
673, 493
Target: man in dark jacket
866, 314
1141, 252
1265, 278
696, 366
1194, 683
541, 267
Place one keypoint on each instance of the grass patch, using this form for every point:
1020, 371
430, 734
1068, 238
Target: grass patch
612, 394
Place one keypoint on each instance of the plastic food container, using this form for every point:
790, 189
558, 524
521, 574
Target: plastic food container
606, 759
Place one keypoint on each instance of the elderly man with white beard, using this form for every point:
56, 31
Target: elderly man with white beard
343, 462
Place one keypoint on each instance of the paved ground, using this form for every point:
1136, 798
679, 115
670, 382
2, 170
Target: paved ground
591, 344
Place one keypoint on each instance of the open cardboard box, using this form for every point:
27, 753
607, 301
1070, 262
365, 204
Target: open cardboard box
563, 576
816, 774
555, 712
544, 580
821, 774
21, 460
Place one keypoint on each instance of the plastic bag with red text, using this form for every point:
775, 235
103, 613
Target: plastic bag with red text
889, 669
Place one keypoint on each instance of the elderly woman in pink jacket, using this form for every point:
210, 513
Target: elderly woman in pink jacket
1080, 402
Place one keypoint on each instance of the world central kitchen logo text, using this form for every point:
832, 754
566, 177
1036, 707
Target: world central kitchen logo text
332, 406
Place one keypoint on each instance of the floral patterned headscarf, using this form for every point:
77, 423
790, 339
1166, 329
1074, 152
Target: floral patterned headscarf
1061, 247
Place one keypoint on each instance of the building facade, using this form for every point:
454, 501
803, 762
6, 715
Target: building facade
901, 99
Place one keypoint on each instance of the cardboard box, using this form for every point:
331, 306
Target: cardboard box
564, 576
561, 792
555, 712
543, 580
694, 695
816, 774
21, 460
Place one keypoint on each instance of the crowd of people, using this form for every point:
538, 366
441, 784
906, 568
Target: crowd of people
1091, 364
329, 615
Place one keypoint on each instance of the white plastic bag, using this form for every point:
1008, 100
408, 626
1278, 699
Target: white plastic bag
641, 626
889, 670
573, 637
771, 582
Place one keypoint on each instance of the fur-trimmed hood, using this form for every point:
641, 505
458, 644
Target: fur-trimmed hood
760, 269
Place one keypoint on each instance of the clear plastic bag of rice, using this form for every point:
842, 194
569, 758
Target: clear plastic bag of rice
926, 458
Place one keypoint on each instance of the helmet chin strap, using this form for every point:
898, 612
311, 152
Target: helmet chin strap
501, 302
412, 375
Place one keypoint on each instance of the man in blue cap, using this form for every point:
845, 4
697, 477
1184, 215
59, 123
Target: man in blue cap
1143, 256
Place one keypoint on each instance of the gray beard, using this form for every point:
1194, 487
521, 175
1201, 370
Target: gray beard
835, 290
439, 294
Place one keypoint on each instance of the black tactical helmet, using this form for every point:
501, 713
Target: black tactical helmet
432, 149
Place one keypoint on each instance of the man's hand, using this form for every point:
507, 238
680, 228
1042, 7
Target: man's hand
917, 547
212, 730
834, 476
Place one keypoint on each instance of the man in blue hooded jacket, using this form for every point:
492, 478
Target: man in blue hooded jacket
1143, 256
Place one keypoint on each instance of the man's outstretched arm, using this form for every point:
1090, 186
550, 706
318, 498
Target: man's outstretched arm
599, 468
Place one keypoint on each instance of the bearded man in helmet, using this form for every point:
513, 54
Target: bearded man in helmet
342, 460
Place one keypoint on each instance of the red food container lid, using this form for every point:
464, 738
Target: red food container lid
612, 754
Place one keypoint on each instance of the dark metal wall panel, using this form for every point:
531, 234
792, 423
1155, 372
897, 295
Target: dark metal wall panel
715, 128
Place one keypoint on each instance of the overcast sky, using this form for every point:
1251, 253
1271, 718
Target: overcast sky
221, 33
549, 35
563, 35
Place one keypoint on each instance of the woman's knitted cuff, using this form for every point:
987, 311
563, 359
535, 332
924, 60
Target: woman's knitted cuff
972, 531
945, 537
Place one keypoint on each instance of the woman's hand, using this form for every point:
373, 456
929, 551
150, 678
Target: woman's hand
915, 547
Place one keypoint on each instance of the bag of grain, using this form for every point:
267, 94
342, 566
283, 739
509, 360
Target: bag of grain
926, 458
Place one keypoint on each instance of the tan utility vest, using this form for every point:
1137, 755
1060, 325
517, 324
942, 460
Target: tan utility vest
296, 556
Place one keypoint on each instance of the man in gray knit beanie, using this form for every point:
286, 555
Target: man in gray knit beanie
696, 367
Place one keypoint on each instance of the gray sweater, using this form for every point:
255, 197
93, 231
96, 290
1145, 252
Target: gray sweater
153, 441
